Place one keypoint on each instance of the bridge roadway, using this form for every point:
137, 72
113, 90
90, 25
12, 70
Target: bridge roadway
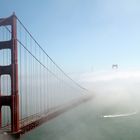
29, 123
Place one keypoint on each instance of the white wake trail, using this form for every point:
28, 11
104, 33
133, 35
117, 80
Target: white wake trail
120, 115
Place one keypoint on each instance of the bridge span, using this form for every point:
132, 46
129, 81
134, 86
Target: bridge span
33, 88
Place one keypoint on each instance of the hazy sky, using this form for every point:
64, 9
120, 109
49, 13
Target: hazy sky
83, 35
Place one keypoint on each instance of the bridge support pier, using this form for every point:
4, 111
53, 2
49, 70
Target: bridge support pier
11, 100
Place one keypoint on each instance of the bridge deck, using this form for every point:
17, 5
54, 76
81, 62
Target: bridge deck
35, 120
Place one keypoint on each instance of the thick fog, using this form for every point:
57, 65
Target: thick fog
117, 91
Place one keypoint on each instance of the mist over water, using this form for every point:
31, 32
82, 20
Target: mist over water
5, 136
112, 114
115, 88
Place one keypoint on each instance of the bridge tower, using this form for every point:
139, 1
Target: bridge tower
12, 70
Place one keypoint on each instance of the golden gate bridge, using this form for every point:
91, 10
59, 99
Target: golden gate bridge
33, 88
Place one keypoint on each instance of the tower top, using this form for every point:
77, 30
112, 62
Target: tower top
14, 13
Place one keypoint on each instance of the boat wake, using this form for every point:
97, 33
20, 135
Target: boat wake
120, 115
